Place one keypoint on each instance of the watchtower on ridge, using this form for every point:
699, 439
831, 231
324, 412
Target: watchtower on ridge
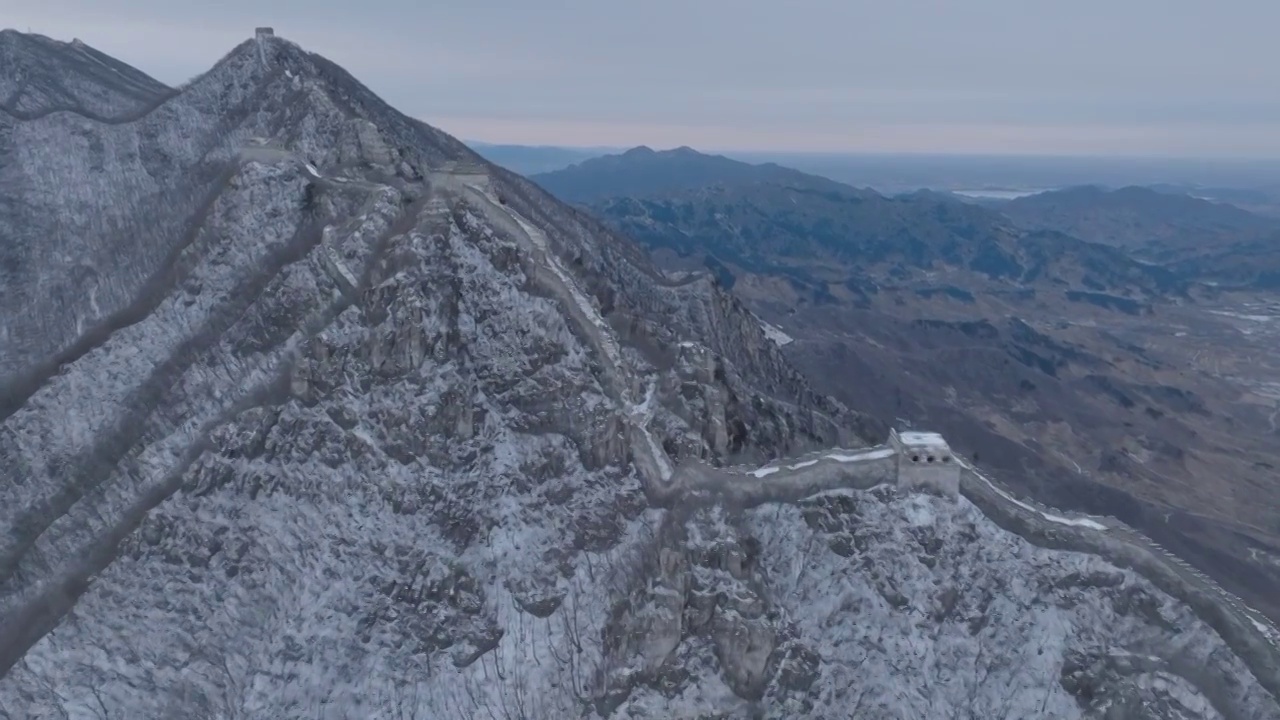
924, 458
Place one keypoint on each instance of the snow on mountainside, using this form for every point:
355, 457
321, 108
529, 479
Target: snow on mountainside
308, 412
42, 75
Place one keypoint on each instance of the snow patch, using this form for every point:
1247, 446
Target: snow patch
859, 457
929, 439
1243, 316
1074, 522
775, 334
645, 409
840, 457
659, 456
919, 512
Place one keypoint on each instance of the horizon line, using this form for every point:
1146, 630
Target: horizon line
1266, 159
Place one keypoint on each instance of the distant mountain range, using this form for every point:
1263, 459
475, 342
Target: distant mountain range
831, 240
1208, 241
1024, 343
1167, 241
1159, 225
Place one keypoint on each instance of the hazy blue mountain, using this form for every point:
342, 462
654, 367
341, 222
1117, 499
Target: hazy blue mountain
1159, 225
768, 218
1245, 198
896, 173
1199, 239
1251, 262
642, 171
531, 159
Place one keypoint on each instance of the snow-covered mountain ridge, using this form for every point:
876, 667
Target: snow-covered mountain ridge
44, 76
309, 412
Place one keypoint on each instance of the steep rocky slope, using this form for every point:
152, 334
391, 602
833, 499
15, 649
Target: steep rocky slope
42, 75
256, 309
309, 412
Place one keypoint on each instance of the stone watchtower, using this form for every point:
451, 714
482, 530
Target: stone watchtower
263, 32
924, 458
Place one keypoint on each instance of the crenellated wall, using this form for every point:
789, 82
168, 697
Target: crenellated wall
1249, 634
904, 462
925, 460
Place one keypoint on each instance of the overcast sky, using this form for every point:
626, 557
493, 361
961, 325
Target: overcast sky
1133, 77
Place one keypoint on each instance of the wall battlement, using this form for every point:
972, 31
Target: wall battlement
925, 460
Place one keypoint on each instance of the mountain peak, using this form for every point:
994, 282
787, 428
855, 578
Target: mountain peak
273, 251
642, 171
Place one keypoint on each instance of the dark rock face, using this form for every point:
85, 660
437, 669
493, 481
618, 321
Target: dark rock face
315, 425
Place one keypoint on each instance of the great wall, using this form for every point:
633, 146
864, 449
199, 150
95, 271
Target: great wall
909, 460
912, 461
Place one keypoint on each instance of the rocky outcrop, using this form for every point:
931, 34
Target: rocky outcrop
886, 604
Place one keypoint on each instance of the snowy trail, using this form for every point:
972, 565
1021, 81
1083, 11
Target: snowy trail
696, 482
648, 450
609, 345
